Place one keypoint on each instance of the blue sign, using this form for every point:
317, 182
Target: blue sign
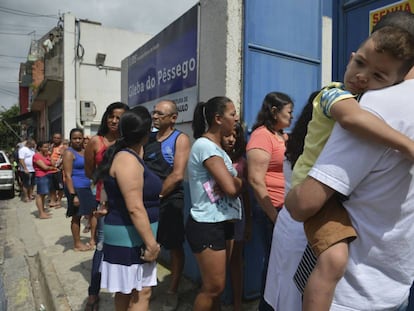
166, 64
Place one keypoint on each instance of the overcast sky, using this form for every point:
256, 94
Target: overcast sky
24, 20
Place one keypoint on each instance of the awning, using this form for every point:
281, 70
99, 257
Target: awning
19, 118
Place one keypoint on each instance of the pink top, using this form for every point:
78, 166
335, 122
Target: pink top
263, 139
39, 172
240, 166
98, 159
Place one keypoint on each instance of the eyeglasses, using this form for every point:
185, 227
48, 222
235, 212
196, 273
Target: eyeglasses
161, 114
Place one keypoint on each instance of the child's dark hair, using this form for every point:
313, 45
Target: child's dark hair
134, 127
266, 115
240, 145
296, 141
399, 43
205, 112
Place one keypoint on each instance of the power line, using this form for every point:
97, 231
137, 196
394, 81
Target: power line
7, 92
12, 56
25, 13
15, 33
7, 67
27, 26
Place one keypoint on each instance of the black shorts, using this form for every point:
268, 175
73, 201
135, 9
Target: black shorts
57, 181
202, 235
170, 232
28, 179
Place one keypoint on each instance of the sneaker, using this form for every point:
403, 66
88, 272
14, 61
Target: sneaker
171, 302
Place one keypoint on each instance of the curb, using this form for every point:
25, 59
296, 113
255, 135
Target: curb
53, 294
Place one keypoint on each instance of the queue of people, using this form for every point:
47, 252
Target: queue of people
356, 214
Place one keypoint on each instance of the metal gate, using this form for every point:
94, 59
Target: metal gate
282, 52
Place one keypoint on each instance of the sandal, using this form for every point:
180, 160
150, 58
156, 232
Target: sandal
92, 306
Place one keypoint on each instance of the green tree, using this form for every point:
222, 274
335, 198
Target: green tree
8, 129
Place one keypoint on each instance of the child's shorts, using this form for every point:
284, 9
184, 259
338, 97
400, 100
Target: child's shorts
330, 225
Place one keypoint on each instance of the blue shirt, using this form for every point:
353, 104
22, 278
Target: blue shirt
202, 208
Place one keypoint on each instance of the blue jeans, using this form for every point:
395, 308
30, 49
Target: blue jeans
95, 285
266, 233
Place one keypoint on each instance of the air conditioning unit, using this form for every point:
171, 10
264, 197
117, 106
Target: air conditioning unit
87, 110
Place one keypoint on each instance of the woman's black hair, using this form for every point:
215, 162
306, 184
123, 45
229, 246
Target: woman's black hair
134, 127
296, 141
41, 143
103, 127
205, 112
266, 115
75, 130
240, 145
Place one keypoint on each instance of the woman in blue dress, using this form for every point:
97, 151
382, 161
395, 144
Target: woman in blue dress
130, 248
81, 201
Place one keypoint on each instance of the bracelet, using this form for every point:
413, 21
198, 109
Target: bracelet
72, 195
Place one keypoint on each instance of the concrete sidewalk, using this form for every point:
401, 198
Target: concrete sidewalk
64, 274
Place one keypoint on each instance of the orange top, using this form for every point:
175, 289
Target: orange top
263, 139
56, 155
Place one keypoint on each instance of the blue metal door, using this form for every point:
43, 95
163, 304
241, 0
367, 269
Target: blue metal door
282, 52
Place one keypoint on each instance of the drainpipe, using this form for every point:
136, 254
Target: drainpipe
79, 52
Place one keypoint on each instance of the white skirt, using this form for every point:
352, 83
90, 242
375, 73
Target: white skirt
118, 278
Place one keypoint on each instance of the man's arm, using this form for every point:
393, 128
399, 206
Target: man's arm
23, 164
182, 151
307, 198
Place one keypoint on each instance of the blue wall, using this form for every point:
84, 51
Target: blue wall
282, 52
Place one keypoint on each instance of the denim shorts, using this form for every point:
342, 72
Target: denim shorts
43, 184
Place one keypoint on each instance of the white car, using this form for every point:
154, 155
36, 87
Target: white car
6, 175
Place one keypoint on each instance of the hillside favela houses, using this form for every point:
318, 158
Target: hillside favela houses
72, 73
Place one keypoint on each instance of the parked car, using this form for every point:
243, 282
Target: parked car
6, 175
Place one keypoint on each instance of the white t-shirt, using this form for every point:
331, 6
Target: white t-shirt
202, 208
288, 243
27, 154
380, 185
